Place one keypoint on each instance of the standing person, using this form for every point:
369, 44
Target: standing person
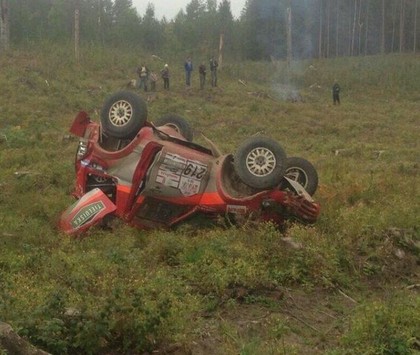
143, 73
336, 93
202, 72
188, 69
165, 76
153, 78
213, 70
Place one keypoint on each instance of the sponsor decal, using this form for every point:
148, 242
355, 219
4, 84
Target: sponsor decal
189, 186
236, 209
182, 174
86, 214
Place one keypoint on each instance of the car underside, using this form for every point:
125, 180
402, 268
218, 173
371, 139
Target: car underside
151, 175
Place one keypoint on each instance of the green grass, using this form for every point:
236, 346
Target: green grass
210, 287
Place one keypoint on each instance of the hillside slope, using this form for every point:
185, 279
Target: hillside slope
348, 284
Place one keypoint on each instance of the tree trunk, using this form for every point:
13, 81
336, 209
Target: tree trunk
336, 28
328, 28
367, 27
289, 36
100, 24
394, 16
12, 343
415, 27
354, 28
360, 28
221, 43
4, 25
320, 30
383, 28
402, 15
77, 31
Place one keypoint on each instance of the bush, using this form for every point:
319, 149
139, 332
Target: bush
124, 321
384, 327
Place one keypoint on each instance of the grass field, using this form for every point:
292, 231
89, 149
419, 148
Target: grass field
352, 286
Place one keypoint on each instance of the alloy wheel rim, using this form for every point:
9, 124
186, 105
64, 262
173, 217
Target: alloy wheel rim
120, 113
298, 175
260, 162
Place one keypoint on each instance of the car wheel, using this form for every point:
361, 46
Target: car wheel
302, 171
123, 114
260, 162
178, 123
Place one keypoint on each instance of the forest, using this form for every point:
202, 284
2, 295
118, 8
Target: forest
318, 28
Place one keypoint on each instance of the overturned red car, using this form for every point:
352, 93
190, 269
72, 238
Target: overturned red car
152, 175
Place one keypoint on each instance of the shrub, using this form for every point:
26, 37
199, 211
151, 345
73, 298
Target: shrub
384, 327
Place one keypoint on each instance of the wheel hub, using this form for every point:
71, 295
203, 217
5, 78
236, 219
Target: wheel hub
297, 175
260, 162
120, 113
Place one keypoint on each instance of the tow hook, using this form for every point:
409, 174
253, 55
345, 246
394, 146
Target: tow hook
268, 204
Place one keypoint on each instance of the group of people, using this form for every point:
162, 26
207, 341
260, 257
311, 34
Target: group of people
147, 77
202, 71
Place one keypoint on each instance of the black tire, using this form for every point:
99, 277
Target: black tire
260, 162
302, 171
123, 114
178, 123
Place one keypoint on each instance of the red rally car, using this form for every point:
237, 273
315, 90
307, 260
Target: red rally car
152, 174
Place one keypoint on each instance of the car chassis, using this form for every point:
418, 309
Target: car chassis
159, 179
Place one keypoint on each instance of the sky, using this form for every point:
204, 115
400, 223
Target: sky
170, 8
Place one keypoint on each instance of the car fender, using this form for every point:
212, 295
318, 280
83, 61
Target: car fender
299, 189
89, 210
80, 124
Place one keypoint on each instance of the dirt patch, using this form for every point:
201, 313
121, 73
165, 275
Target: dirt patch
305, 322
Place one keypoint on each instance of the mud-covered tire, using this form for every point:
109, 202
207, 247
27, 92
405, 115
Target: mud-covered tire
177, 122
260, 162
302, 171
123, 114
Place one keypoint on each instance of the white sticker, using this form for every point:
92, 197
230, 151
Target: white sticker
167, 178
180, 173
236, 209
189, 186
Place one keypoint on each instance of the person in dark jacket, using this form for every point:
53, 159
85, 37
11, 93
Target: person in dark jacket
336, 93
188, 70
202, 72
165, 76
213, 69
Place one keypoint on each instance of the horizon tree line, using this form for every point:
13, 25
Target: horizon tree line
266, 29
